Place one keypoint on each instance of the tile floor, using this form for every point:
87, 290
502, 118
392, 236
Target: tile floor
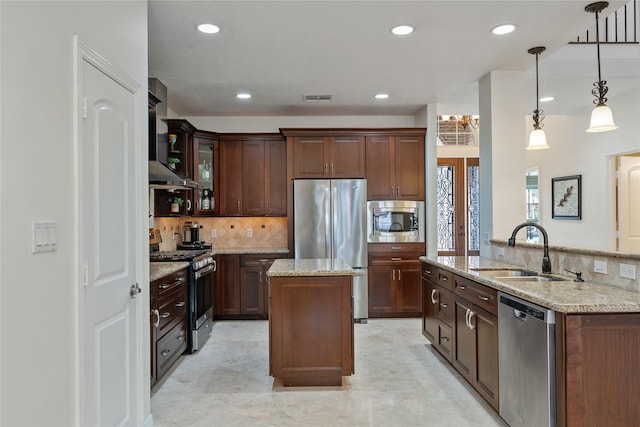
399, 381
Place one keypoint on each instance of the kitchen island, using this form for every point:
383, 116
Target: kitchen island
310, 321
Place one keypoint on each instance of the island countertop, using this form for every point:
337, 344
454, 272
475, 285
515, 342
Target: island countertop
310, 267
158, 270
564, 296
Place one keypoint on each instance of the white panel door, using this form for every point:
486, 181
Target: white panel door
109, 371
629, 204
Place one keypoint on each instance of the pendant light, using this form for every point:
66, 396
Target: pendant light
537, 138
601, 116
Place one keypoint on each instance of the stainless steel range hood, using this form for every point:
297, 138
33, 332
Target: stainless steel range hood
160, 176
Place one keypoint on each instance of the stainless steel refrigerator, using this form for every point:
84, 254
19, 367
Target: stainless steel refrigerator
330, 222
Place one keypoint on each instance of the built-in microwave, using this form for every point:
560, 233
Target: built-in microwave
395, 221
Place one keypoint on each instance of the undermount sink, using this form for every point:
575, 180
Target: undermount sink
517, 275
513, 272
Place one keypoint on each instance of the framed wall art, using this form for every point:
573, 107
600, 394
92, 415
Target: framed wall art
566, 197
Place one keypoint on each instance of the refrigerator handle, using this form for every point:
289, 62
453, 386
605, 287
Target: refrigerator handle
328, 235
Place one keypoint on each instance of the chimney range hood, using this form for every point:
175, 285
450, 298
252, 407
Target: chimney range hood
160, 176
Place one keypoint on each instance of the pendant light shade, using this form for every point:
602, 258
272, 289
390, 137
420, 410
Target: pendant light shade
601, 119
537, 138
601, 116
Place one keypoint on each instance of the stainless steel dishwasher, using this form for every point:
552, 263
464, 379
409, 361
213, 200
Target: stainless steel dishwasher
526, 334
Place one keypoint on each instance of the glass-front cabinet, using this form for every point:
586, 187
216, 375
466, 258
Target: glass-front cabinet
205, 173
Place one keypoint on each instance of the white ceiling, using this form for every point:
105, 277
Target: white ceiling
281, 50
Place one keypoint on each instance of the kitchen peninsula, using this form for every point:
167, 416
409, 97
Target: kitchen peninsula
310, 321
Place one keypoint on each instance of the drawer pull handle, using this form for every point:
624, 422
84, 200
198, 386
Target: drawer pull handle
396, 259
445, 339
462, 287
427, 271
165, 315
444, 305
180, 304
165, 352
396, 248
483, 298
434, 296
263, 260
444, 278
165, 286
180, 338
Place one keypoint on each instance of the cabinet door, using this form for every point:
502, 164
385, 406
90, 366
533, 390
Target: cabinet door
228, 294
380, 179
464, 346
409, 167
485, 378
275, 177
408, 290
205, 169
252, 291
347, 157
309, 157
253, 184
382, 290
430, 298
231, 173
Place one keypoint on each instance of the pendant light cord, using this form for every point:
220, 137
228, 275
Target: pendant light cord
598, 46
537, 84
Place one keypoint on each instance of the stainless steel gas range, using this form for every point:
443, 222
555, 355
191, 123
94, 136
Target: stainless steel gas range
202, 265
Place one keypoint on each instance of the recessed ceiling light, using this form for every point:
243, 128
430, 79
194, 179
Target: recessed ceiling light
208, 28
503, 29
402, 30
243, 96
381, 96
547, 99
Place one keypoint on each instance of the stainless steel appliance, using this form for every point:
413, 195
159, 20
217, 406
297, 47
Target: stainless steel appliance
201, 269
330, 222
190, 232
526, 334
390, 221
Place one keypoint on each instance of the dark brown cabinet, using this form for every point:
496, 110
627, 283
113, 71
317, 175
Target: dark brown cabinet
325, 156
168, 302
181, 149
205, 173
395, 167
460, 320
242, 285
394, 281
253, 175
311, 330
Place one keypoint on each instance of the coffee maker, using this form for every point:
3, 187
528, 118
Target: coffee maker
190, 233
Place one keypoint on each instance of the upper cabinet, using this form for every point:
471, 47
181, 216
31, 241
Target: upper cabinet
328, 156
179, 154
254, 168
205, 173
395, 166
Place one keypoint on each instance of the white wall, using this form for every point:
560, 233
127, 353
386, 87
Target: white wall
575, 152
38, 353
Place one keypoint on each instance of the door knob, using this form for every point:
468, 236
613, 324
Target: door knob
134, 290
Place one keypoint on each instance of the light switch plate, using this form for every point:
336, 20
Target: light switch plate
214, 232
500, 251
600, 266
628, 271
44, 236
249, 232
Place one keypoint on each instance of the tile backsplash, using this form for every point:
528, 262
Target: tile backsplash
231, 232
574, 259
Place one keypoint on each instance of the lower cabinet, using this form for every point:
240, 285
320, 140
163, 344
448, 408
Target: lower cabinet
394, 281
242, 285
460, 320
169, 323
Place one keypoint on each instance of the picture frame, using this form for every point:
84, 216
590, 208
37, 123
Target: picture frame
566, 197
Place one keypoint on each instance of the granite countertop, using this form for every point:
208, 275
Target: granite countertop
158, 270
563, 296
240, 251
310, 267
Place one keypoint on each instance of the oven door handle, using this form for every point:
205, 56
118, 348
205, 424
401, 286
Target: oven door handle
204, 271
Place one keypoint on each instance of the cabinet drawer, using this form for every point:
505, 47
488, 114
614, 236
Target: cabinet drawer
170, 283
445, 307
172, 310
170, 347
480, 295
437, 276
257, 260
390, 258
444, 344
396, 247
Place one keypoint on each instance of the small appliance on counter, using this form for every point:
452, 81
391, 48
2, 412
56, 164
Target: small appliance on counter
190, 232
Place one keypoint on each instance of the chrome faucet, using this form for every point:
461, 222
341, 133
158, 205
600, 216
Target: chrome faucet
546, 262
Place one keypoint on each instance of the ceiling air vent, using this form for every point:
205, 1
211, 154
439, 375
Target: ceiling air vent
317, 98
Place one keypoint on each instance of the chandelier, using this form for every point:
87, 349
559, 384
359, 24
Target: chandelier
464, 121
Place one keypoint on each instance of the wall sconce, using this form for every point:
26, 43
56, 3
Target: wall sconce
537, 138
601, 116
